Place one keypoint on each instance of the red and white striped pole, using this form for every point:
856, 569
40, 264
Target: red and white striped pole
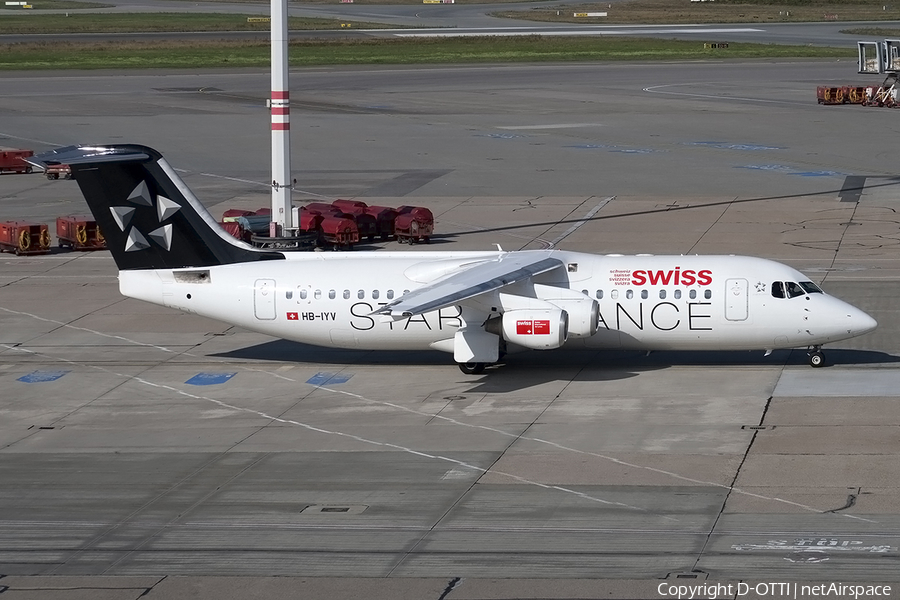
281, 120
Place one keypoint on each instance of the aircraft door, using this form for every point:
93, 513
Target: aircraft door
736, 299
264, 299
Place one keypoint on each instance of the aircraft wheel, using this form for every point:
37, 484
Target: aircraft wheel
472, 368
816, 359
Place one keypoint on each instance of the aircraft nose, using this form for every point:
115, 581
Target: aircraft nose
861, 323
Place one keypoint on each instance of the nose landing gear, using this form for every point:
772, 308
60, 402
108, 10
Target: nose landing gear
816, 357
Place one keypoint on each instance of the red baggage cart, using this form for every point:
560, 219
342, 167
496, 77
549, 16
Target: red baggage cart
338, 232
830, 95
384, 220
309, 220
23, 237
365, 223
235, 229
414, 224
349, 206
233, 213
321, 208
79, 233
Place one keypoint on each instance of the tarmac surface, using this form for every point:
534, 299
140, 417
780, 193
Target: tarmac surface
149, 453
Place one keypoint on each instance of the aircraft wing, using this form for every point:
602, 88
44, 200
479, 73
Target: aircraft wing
481, 278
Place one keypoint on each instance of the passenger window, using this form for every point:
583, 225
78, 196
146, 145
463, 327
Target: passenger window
693, 294
662, 294
289, 294
614, 294
331, 294
361, 294
303, 294
599, 294
707, 294
678, 294
794, 289
644, 294
405, 291
629, 294
318, 294
346, 294
777, 289
390, 294
585, 292
374, 294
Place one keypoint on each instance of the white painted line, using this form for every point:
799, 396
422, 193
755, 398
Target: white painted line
582, 221
556, 126
656, 89
571, 32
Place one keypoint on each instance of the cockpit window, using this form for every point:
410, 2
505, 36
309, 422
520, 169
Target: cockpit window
811, 288
794, 289
777, 289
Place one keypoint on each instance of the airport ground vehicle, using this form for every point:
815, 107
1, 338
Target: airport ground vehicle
13, 160
57, 171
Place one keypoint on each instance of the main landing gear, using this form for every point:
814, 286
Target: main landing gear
816, 357
473, 368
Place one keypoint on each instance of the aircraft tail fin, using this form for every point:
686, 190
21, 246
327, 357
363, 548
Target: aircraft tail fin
149, 217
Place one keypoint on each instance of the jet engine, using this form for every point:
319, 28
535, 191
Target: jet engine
538, 329
584, 314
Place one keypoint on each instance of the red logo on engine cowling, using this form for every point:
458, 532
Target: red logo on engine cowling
672, 277
529, 327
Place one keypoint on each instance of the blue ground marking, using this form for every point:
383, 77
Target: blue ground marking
820, 174
41, 376
787, 170
614, 148
728, 146
778, 168
209, 378
322, 378
500, 136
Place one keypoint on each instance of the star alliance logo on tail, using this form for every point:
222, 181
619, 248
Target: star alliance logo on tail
165, 208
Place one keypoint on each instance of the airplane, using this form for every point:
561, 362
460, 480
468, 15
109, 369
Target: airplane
476, 306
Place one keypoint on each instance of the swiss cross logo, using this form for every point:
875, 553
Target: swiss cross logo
293, 317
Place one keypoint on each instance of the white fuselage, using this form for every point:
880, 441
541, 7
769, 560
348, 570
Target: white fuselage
646, 302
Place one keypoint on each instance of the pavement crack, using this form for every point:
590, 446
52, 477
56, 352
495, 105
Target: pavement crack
851, 501
731, 488
451, 585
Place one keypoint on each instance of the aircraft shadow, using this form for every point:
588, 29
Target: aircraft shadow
524, 370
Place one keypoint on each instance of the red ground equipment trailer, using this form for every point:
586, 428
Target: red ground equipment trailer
23, 237
57, 171
384, 220
13, 159
231, 225
79, 233
831, 95
414, 224
338, 232
309, 219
